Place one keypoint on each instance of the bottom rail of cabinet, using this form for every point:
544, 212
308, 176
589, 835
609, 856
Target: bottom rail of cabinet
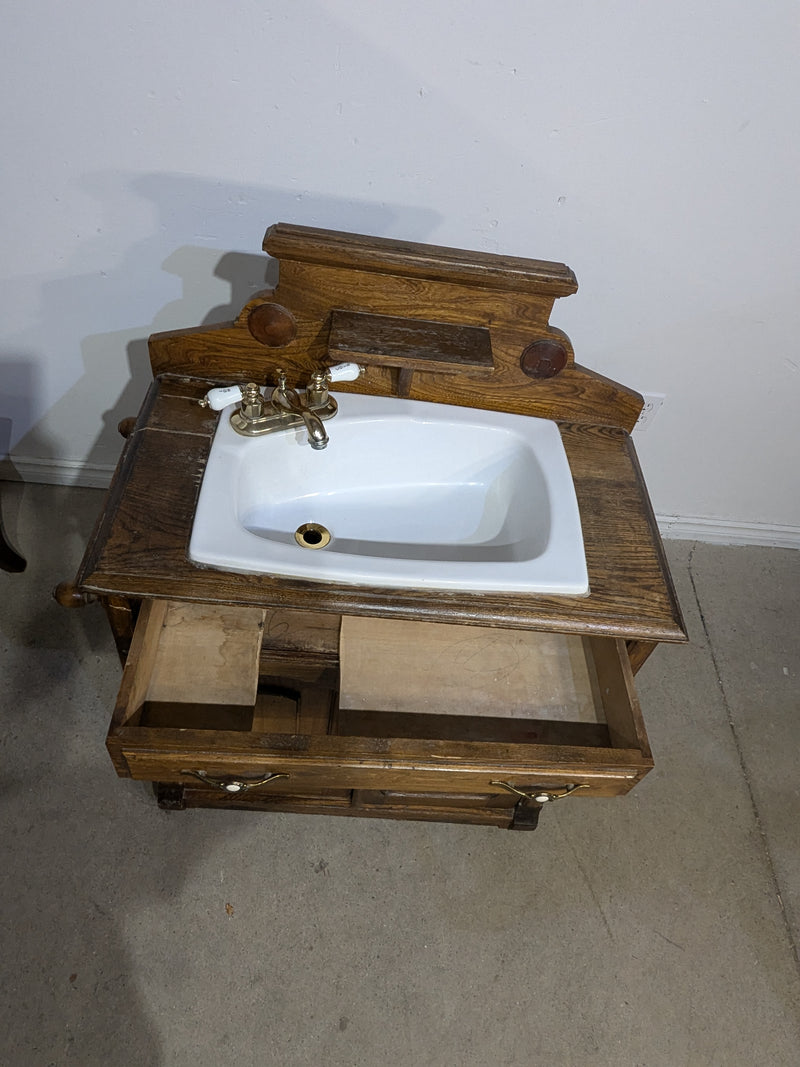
355, 803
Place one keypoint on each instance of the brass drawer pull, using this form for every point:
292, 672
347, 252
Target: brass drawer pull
541, 796
234, 785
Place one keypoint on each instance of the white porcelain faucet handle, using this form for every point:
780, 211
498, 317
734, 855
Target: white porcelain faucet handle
344, 372
221, 397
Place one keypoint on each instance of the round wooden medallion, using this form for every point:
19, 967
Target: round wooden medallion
543, 359
272, 325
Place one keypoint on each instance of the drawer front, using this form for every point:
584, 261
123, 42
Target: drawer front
429, 807
181, 719
397, 798
342, 768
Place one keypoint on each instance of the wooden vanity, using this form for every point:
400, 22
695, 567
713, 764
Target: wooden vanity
254, 691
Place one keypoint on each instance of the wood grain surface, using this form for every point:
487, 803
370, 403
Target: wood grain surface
325, 274
457, 671
202, 691
139, 548
435, 262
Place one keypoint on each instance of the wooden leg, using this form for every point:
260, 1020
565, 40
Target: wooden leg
122, 614
526, 815
638, 651
169, 796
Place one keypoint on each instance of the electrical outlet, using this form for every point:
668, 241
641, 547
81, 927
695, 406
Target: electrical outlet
652, 405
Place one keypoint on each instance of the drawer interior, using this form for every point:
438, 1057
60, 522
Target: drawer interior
420, 679
212, 684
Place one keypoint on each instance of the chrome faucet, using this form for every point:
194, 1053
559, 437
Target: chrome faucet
286, 408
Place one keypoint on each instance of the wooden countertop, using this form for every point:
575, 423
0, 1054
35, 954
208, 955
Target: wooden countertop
139, 546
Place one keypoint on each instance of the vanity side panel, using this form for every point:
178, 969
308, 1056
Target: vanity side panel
135, 679
618, 693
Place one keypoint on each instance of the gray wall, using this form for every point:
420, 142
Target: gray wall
653, 147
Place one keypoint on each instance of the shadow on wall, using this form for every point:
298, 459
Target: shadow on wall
10, 559
210, 287
21, 391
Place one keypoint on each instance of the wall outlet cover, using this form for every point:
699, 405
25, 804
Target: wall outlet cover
653, 403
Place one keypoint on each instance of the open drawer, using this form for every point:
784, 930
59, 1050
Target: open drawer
228, 701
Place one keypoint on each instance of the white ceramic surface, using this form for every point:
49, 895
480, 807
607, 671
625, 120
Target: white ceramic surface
414, 495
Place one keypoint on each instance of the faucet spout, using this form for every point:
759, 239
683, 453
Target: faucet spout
285, 409
287, 399
317, 434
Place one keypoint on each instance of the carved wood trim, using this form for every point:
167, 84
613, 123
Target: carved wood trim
323, 272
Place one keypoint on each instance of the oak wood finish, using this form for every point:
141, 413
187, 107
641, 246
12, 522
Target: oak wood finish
375, 763
323, 273
311, 749
383, 255
139, 547
350, 722
272, 325
639, 652
67, 595
122, 613
360, 803
207, 654
185, 715
435, 324
418, 344
481, 671
405, 345
543, 359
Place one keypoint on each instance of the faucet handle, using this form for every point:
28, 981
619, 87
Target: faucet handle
252, 401
221, 396
317, 391
344, 372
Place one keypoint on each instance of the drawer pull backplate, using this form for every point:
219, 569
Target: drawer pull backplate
540, 796
234, 785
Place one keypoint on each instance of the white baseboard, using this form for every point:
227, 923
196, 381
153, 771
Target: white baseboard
728, 531
57, 472
672, 527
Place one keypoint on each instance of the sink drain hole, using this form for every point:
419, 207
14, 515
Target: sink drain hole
312, 535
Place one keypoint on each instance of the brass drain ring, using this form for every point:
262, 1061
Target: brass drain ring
312, 535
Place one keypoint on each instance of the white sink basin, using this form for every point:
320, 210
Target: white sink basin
413, 495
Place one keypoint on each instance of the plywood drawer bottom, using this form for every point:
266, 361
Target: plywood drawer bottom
283, 738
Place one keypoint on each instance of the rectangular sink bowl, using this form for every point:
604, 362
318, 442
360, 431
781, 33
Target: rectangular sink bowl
407, 494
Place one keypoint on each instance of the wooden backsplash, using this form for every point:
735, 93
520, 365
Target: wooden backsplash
327, 276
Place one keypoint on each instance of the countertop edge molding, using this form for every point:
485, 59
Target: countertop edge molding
435, 262
139, 547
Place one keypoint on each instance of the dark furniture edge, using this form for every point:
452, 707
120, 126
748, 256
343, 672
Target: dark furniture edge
435, 262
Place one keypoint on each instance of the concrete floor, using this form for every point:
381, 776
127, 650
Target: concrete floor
657, 929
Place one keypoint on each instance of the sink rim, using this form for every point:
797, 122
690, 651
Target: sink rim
560, 569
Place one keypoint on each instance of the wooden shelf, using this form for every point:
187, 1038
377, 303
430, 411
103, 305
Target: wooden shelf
433, 262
